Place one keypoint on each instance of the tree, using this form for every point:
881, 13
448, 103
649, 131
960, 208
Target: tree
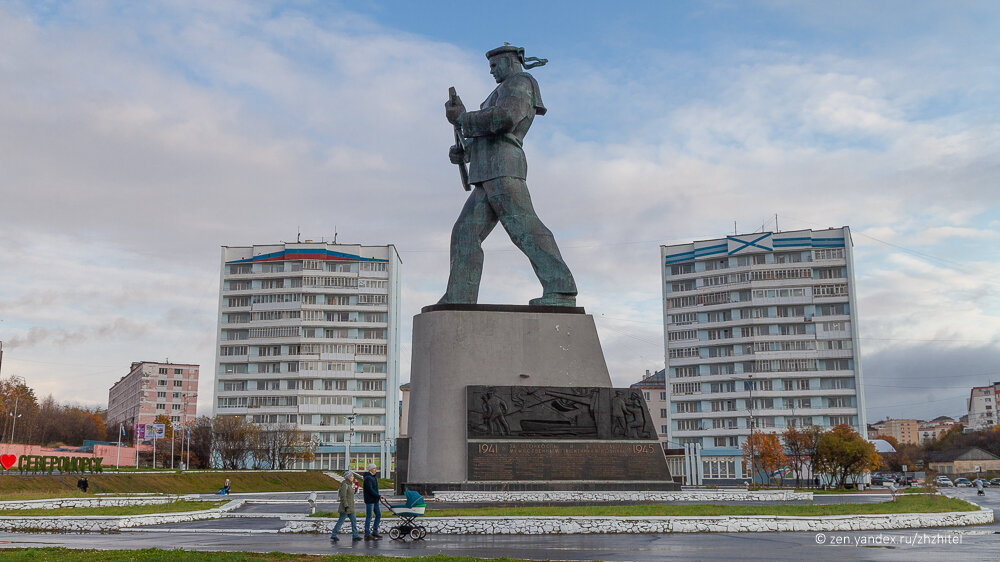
801, 447
201, 443
763, 451
278, 445
234, 441
841, 452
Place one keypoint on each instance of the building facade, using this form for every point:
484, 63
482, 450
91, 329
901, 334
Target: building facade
654, 390
905, 432
760, 332
982, 407
930, 431
309, 337
152, 389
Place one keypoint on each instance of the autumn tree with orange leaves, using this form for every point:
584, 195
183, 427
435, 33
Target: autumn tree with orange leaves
763, 452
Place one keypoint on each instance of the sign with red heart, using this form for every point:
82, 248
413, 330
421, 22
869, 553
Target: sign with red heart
8, 461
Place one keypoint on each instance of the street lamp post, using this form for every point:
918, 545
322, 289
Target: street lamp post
14, 415
347, 443
753, 445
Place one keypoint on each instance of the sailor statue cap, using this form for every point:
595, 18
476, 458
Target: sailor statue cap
529, 62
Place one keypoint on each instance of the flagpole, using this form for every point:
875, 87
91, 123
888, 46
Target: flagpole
135, 441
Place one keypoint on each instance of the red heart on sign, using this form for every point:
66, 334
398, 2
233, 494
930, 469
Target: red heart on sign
8, 461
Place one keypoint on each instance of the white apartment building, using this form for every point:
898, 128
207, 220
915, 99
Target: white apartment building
309, 336
760, 330
982, 407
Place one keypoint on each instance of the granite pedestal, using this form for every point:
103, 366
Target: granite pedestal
459, 346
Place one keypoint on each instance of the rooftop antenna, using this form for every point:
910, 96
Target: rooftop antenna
335, 234
298, 234
776, 229
735, 232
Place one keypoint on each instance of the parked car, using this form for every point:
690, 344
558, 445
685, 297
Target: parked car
879, 480
985, 482
943, 481
909, 481
995, 482
963, 483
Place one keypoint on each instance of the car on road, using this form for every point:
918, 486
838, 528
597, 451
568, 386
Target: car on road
943, 481
963, 483
995, 482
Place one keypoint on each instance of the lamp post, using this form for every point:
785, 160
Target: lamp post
347, 442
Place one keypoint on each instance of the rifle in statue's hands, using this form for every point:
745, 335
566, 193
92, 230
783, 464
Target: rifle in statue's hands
463, 171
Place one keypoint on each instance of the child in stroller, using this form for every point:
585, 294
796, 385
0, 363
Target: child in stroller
407, 512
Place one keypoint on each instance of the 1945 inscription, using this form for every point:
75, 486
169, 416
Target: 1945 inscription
511, 460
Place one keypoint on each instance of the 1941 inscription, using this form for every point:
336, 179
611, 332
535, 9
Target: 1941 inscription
513, 460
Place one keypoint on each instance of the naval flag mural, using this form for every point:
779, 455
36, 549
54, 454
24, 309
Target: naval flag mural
750, 243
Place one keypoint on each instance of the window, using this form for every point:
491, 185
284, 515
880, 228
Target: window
828, 254
663, 396
798, 403
831, 273
724, 423
723, 405
663, 412
723, 387
719, 468
163, 370
372, 403
292, 384
726, 442
839, 402
161, 383
175, 406
160, 406
836, 384
230, 368
689, 371
682, 335
681, 268
373, 266
721, 369
829, 290
686, 388
175, 418
161, 394
176, 395
836, 364
685, 318
687, 407
370, 385
234, 385
227, 351
240, 269
237, 301
178, 384
663, 430
331, 384
682, 352
688, 425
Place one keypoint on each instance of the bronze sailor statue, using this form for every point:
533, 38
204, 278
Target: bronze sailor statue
490, 141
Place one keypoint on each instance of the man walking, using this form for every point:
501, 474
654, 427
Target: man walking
346, 509
497, 170
372, 498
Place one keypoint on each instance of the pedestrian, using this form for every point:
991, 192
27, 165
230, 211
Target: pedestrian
346, 509
372, 498
224, 490
979, 487
83, 484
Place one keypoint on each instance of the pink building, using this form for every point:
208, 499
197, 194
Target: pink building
153, 389
109, 454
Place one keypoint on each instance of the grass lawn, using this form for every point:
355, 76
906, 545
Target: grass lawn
172, 507
13, 487
151, 554
904, 504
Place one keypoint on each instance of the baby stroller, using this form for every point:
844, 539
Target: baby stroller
407, 512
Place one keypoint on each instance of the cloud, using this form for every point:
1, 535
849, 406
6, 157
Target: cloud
136, 141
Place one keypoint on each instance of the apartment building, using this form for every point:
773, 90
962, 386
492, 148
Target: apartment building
654, 390
760, 332
151, 389
905, 432
309, 337
931, 430
982, 407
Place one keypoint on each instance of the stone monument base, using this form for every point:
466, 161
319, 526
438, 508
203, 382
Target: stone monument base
458, 347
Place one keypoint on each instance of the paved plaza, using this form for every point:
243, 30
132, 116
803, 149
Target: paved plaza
257, 531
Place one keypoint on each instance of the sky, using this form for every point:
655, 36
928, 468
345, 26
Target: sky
137, 138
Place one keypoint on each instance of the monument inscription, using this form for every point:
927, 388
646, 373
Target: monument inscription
496, 460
